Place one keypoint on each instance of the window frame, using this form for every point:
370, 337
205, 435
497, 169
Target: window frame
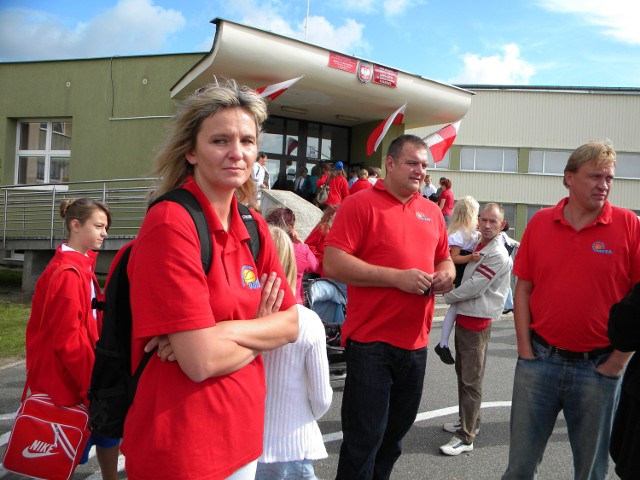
48, 153
475, 168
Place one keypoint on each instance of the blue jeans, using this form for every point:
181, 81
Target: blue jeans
547, 384
294, 470
382, 394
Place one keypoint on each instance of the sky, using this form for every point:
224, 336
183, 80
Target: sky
593, 43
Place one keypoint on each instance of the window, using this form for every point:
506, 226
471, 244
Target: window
628, 165
489, 159
44, 152
551, 162
442, 164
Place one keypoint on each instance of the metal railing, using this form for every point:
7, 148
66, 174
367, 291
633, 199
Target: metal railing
31, 212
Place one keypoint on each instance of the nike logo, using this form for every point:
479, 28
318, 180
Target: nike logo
38, 449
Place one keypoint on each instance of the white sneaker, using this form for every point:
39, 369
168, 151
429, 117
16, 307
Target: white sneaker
453, 427
455, 447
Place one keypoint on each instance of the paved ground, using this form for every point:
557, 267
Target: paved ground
420, 459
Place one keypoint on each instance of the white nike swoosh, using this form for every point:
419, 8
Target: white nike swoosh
27, 454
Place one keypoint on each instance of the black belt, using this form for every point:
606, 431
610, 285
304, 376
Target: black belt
561, 352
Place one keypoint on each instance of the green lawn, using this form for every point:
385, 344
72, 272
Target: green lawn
13, 316
13, 321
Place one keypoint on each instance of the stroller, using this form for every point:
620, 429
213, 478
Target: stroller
328, 299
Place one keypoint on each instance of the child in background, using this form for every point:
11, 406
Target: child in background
298, 390
463, 237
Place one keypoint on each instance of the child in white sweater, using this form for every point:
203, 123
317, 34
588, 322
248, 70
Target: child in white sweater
298, 390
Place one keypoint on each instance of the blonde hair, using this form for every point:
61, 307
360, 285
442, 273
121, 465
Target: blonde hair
171, 164
601, 152
464, 217
284, 248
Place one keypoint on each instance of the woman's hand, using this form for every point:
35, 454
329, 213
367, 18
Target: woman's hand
165, 350
272, 295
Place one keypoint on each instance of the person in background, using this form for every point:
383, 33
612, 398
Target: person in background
338, 187
298, 390
575, 261
429, 189
439, 190
260, 176
374, 174
389, 245
463, 238
624, 333
300, 179
306, 261
63, 327
479, 300
362, 183
202, 415
353, 176
317, 236
512, 248
446, 200
310, 185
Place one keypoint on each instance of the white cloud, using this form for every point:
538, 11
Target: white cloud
396, 7
506, 69
617, 18
347, 38
130, 27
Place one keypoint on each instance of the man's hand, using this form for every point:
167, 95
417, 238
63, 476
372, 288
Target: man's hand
442, 282
413, 281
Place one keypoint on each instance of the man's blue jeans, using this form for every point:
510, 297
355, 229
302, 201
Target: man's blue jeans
382, 394
547, 384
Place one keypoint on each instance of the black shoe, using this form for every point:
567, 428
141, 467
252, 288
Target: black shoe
507, 311
445, 354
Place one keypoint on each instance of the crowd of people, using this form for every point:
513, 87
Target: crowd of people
240, 377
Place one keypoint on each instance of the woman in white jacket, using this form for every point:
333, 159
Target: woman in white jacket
298, 390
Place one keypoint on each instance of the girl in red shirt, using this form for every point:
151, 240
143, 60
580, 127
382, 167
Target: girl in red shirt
63, 329
446, 200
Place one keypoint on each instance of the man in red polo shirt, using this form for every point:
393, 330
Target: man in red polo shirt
479, 300
575, 261
389, 245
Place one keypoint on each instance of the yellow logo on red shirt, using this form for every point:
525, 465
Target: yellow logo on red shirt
249, 278
422, 216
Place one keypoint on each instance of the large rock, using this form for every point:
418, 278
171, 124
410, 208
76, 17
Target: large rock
307, 214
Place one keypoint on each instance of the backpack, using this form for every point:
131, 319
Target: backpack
112, 384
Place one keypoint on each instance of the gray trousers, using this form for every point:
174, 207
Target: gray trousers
471, 358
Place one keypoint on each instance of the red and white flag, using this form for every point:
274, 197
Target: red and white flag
381, 130
277, 89
440, 141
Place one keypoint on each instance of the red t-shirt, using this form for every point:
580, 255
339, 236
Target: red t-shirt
379, 229
359, 185
578, 275
315, 240
447, 195
338, 189
177, 428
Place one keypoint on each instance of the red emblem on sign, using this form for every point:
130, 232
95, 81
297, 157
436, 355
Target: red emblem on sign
365, 72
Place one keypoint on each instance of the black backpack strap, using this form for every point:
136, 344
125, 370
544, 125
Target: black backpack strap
190, 203
252, 228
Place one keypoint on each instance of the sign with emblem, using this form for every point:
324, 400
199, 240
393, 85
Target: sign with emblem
365, 71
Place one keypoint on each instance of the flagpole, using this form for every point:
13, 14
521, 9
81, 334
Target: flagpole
306, 22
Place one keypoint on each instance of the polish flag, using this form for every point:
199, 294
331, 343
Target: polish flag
381, 130
277, 89
440, 141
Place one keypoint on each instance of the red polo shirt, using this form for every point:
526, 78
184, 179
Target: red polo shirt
379, 229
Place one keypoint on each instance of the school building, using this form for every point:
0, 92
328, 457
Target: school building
91, 127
